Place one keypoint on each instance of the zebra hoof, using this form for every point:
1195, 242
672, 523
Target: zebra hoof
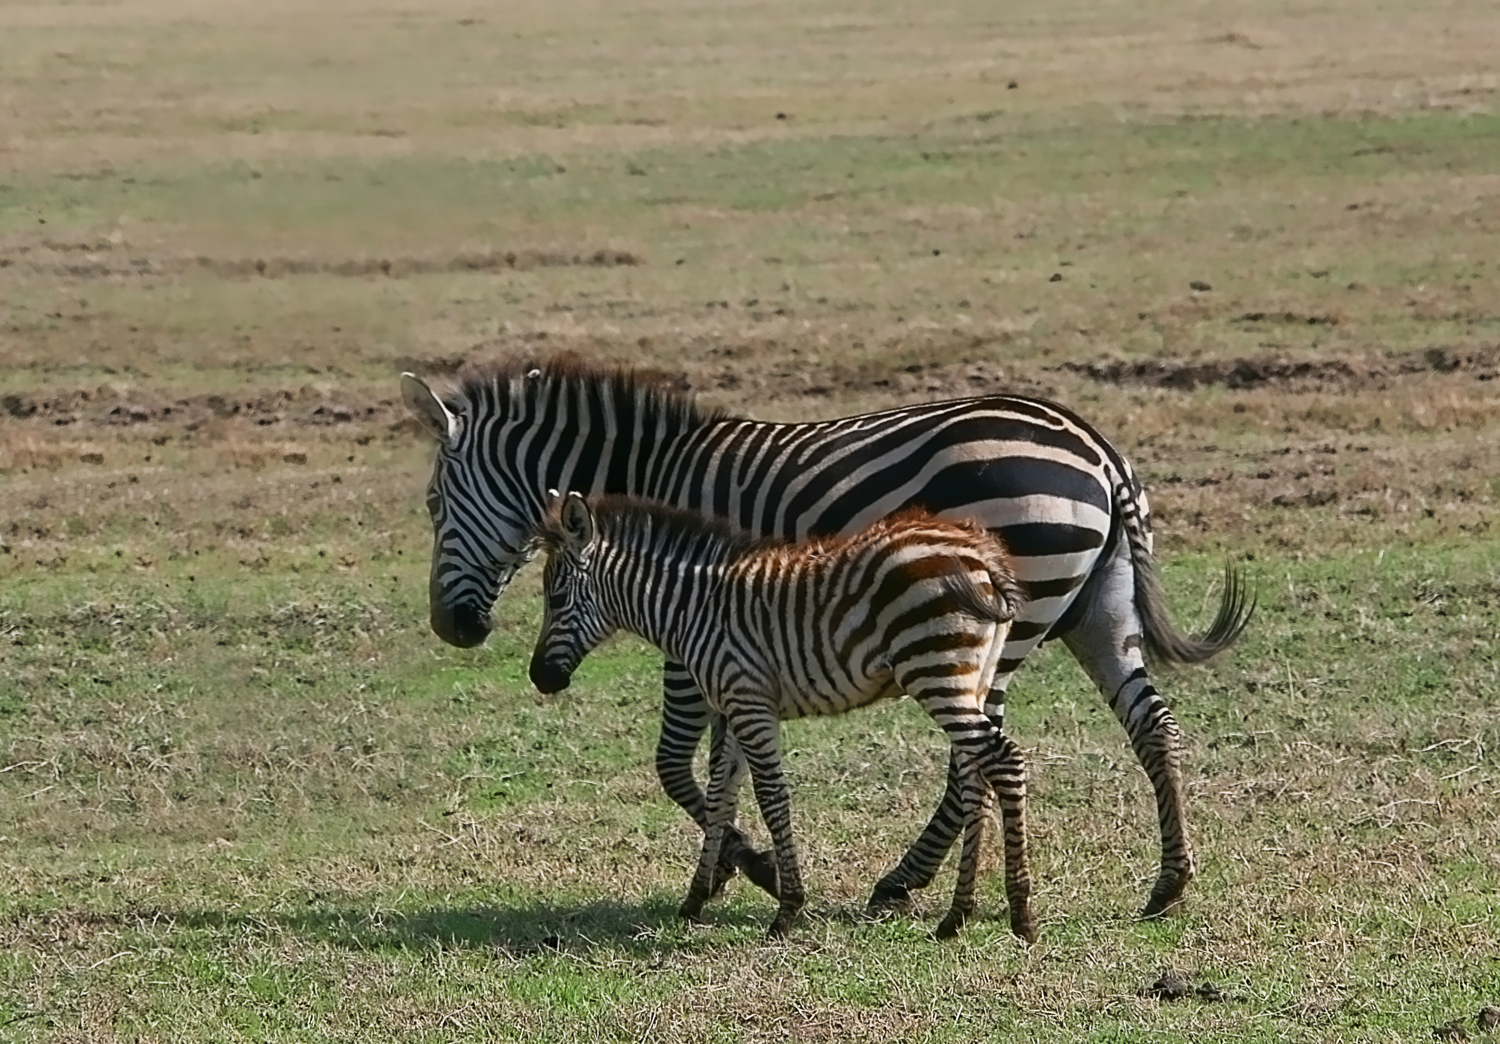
722, 873
1166, 898
1023, 926
949, 926
691, 909
760, 868
781, 927
889, 898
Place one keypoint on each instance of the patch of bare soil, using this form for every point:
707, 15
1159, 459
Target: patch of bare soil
1386, 480
1368, 371
745, 374
906, 382
104, 259
748, 375
106, 407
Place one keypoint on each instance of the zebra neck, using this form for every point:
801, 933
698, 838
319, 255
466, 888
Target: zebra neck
661, 599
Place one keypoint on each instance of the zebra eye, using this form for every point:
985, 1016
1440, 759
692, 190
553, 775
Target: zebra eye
557, 601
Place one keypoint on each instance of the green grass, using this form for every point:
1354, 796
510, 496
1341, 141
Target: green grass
250, 831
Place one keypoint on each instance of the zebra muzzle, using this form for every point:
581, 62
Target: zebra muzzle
463, 626
549, 676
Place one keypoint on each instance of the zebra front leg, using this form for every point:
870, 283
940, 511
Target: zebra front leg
919, 865
725, 751
685, 717
758, 731
726, 772
978, 808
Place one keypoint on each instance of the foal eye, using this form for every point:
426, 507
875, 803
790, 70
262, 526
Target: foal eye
557, 600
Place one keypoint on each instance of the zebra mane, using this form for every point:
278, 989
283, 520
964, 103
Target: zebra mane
526, 386
680, 534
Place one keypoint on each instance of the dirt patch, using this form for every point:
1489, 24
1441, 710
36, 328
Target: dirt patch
102, 259
908, 382
111, 408
1175, 985
1360, 372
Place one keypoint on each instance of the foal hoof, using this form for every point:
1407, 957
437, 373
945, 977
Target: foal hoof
722, 873
781, 927
949, 926
1023, 926
760, 868
691, 909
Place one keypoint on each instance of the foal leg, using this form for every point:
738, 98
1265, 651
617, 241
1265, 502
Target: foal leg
726, 771
758, 731
685, 716
920, 863
722, 746
999, 760
1004, 768
978, 807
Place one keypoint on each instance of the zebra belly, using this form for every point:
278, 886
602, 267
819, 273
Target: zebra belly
790, 697
817, 702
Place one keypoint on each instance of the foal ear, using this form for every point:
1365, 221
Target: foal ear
428, 408
577, 520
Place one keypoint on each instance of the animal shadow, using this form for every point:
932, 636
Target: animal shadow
525, 929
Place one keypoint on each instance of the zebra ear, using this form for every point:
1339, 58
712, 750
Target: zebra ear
428, 408
577, 520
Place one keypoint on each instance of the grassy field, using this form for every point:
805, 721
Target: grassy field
245, 794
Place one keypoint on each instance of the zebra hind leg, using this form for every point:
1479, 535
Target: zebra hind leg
919, 865
1003, 765
978, 807
1155, 738
1006, 772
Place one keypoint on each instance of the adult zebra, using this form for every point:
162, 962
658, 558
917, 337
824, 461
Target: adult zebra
774, 630
1063, 499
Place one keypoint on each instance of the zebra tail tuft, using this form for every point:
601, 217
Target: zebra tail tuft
1164, 643
1167, 645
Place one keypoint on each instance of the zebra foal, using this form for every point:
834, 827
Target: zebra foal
771, 629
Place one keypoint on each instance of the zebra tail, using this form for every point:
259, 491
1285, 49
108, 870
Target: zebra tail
1165, 644
1001, 604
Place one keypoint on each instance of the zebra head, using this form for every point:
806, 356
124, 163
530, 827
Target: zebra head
572, 624
482, 515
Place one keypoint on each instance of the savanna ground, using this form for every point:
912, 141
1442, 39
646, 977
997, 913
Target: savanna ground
246, 795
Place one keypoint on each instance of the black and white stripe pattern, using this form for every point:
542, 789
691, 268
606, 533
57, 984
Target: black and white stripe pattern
1063, 499
913, 605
